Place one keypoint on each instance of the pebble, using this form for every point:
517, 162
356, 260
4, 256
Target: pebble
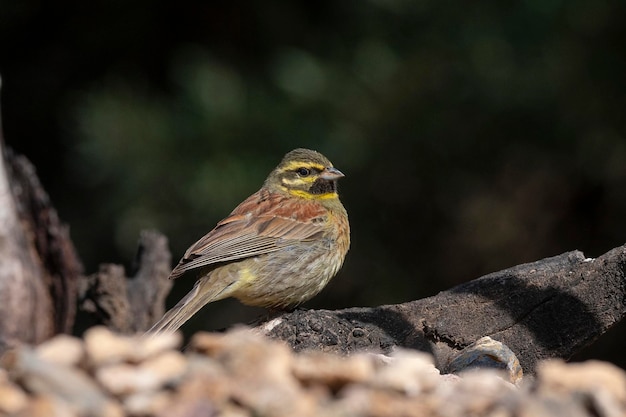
62, 350
105, 347
487, 353
155, 373
242, 374
12, 398
332, 371
409, 372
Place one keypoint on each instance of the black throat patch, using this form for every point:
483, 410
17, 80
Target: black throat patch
321, 186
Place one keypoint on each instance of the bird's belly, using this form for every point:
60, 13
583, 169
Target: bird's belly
288, 277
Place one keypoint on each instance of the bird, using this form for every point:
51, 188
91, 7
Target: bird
276, 249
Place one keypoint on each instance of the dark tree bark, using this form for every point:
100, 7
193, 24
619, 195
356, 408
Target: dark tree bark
544, 309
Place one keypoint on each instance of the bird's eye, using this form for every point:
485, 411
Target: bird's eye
304, 172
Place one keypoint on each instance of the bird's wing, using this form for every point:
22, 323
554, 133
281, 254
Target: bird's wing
263, 223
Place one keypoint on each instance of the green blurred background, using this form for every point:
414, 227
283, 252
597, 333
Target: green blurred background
474, 136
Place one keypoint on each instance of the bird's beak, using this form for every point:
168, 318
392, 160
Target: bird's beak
331, 173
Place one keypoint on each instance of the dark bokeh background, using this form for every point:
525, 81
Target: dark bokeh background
474, 136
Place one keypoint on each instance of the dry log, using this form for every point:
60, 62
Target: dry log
546, 309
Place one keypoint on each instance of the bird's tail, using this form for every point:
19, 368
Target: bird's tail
203, 292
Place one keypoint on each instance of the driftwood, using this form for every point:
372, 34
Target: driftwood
549, 308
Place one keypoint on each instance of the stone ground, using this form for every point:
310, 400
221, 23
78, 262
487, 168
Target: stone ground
241, 374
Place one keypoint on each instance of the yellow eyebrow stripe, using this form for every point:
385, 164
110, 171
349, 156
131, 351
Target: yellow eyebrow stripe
302, 164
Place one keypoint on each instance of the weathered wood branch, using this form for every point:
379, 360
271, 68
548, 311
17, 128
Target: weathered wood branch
129, 305
544, 309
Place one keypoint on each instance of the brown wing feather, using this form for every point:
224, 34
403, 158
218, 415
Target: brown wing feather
263, 223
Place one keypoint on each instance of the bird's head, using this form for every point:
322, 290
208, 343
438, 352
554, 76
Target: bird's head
305, 174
